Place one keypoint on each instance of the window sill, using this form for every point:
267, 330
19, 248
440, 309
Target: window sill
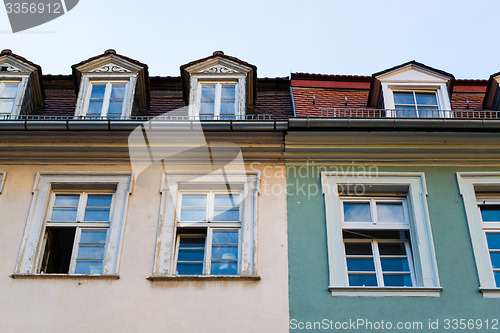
65, 276
386, 291
490, 292
203, 277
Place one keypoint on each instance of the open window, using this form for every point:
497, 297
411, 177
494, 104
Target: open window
379, 235
76, 224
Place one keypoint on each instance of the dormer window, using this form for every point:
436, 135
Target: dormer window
106, 100
218, 87
110, 87
218, 100
8, 94
416, 104
21, 88
412, 90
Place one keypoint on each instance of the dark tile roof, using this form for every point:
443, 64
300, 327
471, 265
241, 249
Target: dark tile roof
273, 97
309, 102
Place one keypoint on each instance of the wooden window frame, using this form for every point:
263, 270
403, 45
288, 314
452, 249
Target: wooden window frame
107, 96
217, 99
15, 99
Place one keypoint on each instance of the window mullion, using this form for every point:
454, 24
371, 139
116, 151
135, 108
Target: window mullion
74, 253
208, 252
217, 102
378, 264
106, 98
373, 211
210, 206
81, 207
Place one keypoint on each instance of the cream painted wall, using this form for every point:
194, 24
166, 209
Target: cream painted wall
132, 303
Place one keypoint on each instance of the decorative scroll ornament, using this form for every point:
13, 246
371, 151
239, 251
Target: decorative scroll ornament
111, 68
218, 69
9, 68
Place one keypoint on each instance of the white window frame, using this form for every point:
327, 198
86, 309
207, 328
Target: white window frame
209, 225
423, 255
218, 97
469, 184
198, 79
21, 86
417, 111
82, 104
79, 224
443, 101
107, 96
46, 182
3, 174
175, 182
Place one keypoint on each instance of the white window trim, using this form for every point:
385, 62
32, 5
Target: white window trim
440, 89
30, 253
218, 97
164, 265
83, 101
22, 82
467, 183
423, 256
107, 96
3, 174
195, 91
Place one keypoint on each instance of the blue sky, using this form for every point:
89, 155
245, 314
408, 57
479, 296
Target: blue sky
332, 37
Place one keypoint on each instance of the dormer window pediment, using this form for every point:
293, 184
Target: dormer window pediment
218, 87
110, 86
21, 88
412, 90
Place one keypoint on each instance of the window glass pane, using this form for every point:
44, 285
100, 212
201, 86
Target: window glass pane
225, 252
497, 279
189, 268
6, 106
493, 241
495, 259
194, 214
357, 212
118, 91
191, 254
226, 200
225, 237
395, 265
392, 248
64, 214
426, 99
64, 200
358, 280
358, 264
208, 91
207, 108
194, 200
88, 267
115, 108
97, 214
405, 111
95, 107
10, 90
226, 214
224, 268
358, 248
227, 108
390, 212
490, 213
91, 252
93, 236
99, 200
228, 91
98, 91
403, 98
397, 280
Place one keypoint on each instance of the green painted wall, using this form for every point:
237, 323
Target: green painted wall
310, 301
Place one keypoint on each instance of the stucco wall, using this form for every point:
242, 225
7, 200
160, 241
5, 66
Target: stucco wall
310, 300
132, 303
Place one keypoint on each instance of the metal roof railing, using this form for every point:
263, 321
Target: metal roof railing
138, 118
406, 113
